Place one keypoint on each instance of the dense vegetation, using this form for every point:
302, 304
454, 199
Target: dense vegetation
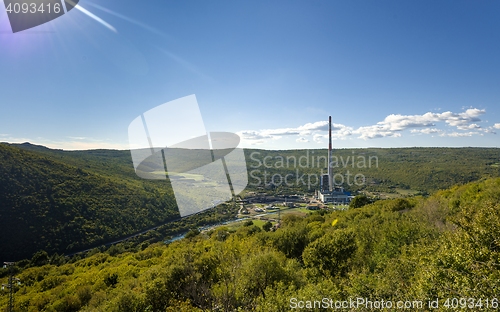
67, 201
423, 170
444, 246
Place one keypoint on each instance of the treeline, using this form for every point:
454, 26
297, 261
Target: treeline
385, 169
418, 249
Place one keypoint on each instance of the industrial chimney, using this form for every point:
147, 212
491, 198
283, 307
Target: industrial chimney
330, 169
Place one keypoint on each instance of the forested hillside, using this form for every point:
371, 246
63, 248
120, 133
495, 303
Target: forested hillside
404, 251
67, 201
424, 170
59, 205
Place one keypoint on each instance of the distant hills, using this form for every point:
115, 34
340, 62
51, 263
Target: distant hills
65, 201
422, 170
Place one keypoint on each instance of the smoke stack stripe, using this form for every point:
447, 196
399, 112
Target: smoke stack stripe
330, 171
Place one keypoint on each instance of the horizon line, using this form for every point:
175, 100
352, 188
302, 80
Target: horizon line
261, 149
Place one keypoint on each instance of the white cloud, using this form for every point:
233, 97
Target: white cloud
460, 134
372, 132
260, 136
255, 137
318, 125
318, 138
472, 126
392, 126
306, 129
492, 129
343, 132
402, 122
463, 121
426, 131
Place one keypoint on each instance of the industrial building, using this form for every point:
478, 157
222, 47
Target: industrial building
328, 192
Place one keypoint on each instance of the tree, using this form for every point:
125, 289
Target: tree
40, 258
330, 254
111, 280
263, 270
248, 223
401, 204
359, 201
192, 233
267, 226
291, 240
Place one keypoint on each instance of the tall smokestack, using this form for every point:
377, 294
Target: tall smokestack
330, 171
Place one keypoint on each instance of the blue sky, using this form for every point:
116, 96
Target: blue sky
391, 73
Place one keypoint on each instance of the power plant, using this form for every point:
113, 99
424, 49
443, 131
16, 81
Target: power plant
329, 192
